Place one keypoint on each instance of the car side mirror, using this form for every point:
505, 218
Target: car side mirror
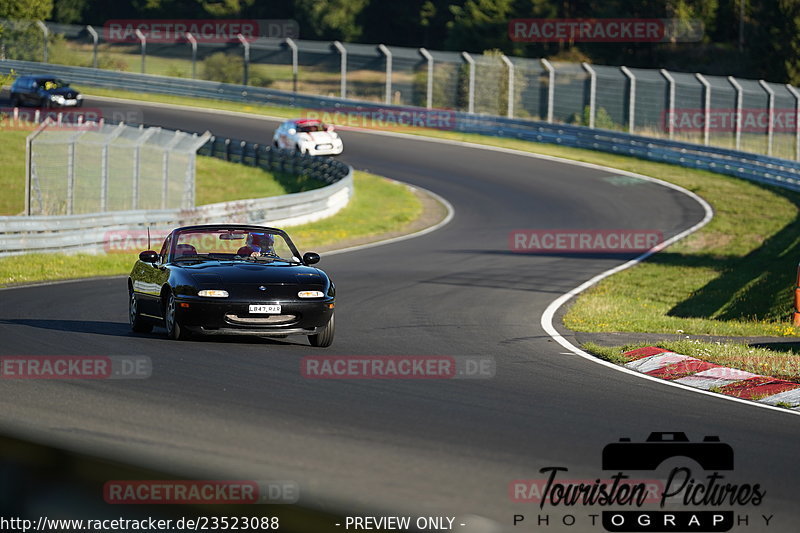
291, 131
330, 128
310, 258
148, 256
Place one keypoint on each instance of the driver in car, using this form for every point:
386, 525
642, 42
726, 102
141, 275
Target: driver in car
258, 244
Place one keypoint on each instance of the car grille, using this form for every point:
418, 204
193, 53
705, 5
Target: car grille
272, 320
274, 291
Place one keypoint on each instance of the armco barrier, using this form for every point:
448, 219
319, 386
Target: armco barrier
750, 166
90, 233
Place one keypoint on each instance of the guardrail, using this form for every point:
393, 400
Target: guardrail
122, 229
754, 167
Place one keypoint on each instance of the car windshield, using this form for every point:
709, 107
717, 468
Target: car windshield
49, 85
233, 244
311, 127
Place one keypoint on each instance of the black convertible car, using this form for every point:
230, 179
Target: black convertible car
231, 280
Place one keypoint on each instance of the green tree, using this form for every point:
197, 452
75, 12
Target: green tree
331, 19
19, 37
26, 9
69, 11
772, 40
480, 25
223, 67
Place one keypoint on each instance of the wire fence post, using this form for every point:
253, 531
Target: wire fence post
510, 88
137, 163
71, 176
189, 189
388, 55
592, 92
245, 57
104, 165
293, 47
706, 106
796, 121
29, 169
342, 68
143, 41
188, 182
45, 38
95, 38
738, 114
670, 118
551, 82
471, 89
770, 113
193, 42
631, 98
429, 58
165, 168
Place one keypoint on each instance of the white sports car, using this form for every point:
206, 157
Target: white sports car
308, 136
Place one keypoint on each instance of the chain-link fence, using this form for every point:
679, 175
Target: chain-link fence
95, 168
721, 111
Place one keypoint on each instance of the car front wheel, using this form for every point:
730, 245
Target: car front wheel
175, 329
137, 324
324, 338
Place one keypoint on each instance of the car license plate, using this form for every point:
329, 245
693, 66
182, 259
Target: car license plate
70, 102
265, 309
325, 146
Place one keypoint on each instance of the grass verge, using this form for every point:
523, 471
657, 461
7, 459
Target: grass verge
12, 178
378, 206
783, 365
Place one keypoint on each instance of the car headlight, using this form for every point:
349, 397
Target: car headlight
213, 293
57, 98
310, 294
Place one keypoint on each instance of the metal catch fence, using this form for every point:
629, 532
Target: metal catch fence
742, 114
96, 167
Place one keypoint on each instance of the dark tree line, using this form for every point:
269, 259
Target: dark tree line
748, 38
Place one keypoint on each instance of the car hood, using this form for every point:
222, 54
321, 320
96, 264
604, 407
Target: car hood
235, 272
66, 92
320, 136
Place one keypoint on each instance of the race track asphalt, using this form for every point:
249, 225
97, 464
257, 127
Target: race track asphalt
240, 407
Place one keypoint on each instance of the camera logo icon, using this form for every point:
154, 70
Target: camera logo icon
710, 454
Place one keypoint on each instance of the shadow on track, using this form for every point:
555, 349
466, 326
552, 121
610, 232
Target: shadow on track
122, 329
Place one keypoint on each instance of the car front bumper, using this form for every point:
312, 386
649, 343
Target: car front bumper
66, 103
233, 317
335, 149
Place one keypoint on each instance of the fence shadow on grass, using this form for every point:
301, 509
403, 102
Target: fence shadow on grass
758, 286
